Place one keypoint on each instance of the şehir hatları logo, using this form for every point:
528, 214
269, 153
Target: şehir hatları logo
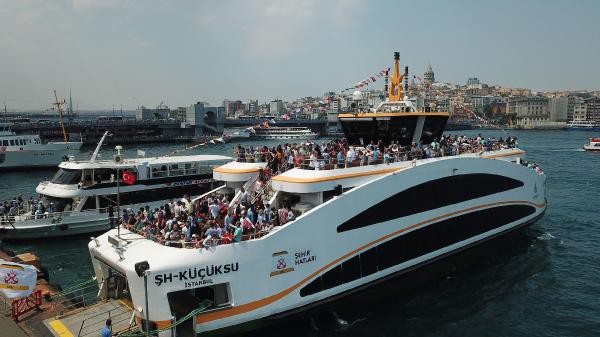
11, 278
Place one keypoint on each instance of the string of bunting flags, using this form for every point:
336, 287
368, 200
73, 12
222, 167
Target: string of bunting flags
371, 79
212, 141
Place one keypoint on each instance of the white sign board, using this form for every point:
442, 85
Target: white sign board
17, 280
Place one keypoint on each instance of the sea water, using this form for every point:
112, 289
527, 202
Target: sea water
547, 283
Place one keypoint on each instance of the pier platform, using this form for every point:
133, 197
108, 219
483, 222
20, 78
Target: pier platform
89, 320
8, 327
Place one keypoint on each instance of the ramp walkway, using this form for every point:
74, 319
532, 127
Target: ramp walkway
89, 320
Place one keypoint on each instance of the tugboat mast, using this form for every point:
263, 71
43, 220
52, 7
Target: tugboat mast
62, 122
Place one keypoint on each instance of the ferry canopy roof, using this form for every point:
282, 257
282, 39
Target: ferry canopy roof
134, 162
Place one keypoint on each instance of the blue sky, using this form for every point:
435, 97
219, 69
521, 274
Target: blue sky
128, 52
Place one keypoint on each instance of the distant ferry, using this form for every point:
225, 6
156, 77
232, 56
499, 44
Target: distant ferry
583, 125
273, 132
29, 151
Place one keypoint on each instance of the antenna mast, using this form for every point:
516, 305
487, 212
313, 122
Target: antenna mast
62, 122
5, 113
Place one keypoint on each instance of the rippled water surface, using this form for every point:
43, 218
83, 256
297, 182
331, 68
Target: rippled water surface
545, 283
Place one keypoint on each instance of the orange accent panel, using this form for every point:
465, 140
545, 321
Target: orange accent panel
268, 300
392, 114
337, 177
228, 170
505, 154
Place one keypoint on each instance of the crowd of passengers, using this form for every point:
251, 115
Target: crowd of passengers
208, 221
37, 206
339, 154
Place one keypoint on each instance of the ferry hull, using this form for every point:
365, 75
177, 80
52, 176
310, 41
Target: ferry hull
396, 284
32, 229
378, 249
36, 156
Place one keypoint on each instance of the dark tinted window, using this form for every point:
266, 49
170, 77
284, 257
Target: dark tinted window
431, 195
351, 269
433, 128
368, 262
67, 177
332, 278
420, 242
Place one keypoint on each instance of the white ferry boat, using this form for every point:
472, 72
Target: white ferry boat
284, 132
82, 195
18, 151
593, 145
583, 125
273, 132
357, 227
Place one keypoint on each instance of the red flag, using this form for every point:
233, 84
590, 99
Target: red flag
128, 177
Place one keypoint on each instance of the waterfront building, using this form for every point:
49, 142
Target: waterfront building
178, 113
429, 75
593, 109
160, 112
579, 109
252, 107
276, 107
557, 108
531, 111
472, 81
205, 119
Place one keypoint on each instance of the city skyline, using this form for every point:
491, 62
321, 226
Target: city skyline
131, 53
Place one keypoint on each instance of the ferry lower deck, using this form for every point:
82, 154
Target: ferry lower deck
386, 220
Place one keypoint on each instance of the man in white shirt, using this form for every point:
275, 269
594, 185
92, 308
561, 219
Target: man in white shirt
350, 156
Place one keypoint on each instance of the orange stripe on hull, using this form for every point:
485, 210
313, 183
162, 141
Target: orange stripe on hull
244, 308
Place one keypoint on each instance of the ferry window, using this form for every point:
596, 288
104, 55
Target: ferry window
427, 196
332, 278
387, 254
67, 177
12, 142
368, 262
191, 168
433, 128
90, 203
312, 288
174, 170
5, 142
104, 174
351, 269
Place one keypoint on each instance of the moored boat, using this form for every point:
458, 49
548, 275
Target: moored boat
83, 196
19, 151
593, 145
357, 224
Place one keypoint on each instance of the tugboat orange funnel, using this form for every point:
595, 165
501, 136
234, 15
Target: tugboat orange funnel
396, 94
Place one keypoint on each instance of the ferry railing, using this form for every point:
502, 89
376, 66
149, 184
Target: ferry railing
74, 297
55, 217
209, 193
388, 158
90, 324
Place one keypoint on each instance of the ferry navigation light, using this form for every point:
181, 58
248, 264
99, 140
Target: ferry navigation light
141, 268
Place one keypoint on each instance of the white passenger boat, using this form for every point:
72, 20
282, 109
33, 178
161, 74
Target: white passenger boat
583, 125
357, 227
82, 195
18, 151
593, 145
272, 132
284, 132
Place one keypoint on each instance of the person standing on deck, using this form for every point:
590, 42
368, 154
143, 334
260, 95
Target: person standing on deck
106, 330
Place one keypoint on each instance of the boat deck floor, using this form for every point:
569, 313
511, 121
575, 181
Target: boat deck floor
89, 320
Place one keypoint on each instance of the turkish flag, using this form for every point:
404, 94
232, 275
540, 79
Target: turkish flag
128, 177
